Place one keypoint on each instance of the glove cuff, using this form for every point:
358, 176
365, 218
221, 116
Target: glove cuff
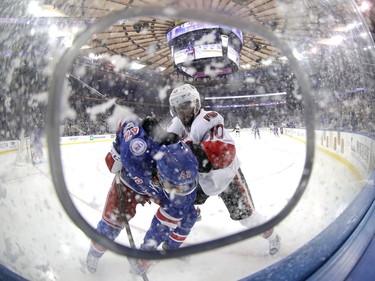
113, 161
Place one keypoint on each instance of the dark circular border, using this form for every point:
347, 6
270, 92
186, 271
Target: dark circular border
58, 90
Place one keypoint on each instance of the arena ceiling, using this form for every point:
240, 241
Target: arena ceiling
135, 38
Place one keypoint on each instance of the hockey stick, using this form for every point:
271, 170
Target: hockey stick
126, 221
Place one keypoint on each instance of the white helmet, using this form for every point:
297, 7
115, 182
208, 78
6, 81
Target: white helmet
182, 94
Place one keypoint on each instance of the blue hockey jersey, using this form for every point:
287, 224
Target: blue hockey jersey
139, 153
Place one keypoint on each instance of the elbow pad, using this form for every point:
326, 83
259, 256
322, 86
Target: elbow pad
220, 154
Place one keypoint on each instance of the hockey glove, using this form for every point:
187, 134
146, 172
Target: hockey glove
113, 161
204, 164
157, 133
151, 126
166, 138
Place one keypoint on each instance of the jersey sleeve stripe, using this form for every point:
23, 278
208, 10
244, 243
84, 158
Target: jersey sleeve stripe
166, 219
178, 237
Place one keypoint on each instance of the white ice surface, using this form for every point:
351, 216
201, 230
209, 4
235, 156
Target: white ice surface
40, 242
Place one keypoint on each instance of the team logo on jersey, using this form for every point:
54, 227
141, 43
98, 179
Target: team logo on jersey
138, 146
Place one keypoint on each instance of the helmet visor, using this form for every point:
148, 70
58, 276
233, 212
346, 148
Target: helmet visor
178, 189
185, 111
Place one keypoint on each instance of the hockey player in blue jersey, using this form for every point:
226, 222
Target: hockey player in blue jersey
154, 167
255, 129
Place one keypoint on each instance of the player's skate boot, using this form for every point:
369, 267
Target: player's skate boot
274, 245
199, 216
165, 247
141, 267
92, 259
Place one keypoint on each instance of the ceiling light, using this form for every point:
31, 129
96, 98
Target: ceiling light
135, 65
266, 62
33, 8
46, 11
365, 6
283, 58
246, 96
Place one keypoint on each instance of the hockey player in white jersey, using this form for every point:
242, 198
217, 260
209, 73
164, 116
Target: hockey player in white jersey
36, 146
237, 130
219, 167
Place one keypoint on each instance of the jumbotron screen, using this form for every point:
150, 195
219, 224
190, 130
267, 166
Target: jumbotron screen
194, 25
198, 45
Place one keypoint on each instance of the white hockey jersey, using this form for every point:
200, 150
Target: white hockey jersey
208, 130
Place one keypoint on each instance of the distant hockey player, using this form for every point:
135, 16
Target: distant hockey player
36, 146
237, 130
255, 130
152, 169
275, 129
219, 167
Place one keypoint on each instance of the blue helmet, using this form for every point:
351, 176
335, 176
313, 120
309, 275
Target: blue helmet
177, 167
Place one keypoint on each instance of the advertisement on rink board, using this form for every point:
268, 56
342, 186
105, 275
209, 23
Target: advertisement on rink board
7, 146
86, 139
355, 150
13, 145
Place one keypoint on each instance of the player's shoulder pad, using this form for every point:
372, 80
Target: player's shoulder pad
212, 117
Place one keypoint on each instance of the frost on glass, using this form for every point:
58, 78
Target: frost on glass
103, 86
332, 45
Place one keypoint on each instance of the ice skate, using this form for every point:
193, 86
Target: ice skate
165, 247
199, 216
141, 267
92, 259
274, 245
